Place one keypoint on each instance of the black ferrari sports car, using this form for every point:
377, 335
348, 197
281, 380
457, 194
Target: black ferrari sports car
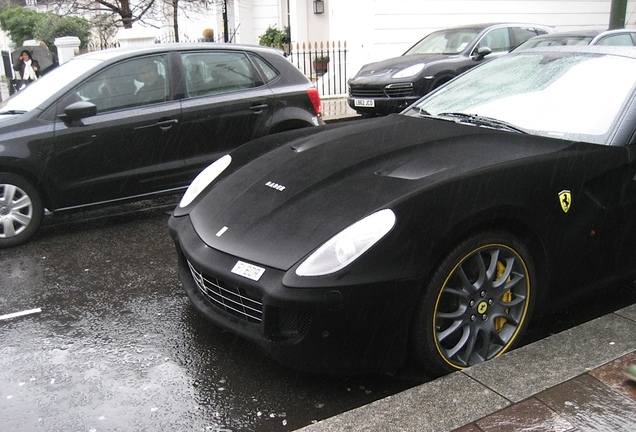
430, 235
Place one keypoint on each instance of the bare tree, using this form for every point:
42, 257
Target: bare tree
126, 12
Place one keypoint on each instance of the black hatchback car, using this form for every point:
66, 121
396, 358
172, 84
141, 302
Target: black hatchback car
391, 85
125, 124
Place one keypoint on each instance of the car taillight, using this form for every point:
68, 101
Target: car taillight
314, 97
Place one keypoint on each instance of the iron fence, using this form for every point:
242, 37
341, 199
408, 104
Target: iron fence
325, 63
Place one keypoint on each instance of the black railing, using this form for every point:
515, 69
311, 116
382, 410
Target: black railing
324, 63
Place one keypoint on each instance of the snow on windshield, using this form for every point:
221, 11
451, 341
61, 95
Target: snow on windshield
574, 97
46, 86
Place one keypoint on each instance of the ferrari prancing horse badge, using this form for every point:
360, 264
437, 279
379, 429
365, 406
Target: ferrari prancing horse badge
565, 198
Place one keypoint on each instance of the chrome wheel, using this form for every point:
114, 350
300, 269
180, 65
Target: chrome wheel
20, 210
477, 304
16, 210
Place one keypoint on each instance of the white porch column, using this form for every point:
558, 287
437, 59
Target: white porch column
67, 48
135, 37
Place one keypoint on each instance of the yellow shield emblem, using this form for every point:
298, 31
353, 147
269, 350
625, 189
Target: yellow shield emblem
565, 198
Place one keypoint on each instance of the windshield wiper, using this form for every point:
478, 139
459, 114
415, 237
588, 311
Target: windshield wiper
483, 121
12, 112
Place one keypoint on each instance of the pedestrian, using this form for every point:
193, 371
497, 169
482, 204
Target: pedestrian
28, 68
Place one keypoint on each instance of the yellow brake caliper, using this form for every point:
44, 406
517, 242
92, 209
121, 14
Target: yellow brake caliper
506, 297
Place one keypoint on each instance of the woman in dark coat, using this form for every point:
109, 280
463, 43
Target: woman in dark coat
28, 67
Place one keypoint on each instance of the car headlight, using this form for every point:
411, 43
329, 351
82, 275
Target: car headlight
410, 71
345, 247
204, 178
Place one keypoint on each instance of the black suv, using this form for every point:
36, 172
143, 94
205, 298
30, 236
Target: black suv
126, 124
391, 85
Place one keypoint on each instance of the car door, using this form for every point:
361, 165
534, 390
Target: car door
226, 104
129, 147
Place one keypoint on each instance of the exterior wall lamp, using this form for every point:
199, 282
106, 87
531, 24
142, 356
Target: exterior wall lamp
319, 6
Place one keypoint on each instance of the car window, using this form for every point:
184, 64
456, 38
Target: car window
269, 72
450, 41
522, 34
217, 72
498, 40
127, 84
617, 40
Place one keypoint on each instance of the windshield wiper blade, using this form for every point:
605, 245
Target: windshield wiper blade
12, 112
483, 121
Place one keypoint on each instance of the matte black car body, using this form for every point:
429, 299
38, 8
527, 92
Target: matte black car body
91, 142
374, 89
559, 213
619, 37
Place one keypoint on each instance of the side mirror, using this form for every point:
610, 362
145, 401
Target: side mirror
481, 53
78, 111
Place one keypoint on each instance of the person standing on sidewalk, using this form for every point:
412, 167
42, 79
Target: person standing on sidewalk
28, 68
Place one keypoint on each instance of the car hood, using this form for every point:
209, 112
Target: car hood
388, 67
281, 206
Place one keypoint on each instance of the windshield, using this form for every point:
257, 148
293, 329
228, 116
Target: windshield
444, 42
39, 91
542, 93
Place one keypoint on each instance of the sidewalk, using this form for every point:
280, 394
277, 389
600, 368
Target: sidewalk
571, 381
335, 108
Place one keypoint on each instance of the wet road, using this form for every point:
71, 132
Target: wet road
117, 346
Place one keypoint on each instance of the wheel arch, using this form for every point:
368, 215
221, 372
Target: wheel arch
28, 176
508, 221
289, 124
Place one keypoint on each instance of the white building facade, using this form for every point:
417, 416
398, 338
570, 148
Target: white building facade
379, 29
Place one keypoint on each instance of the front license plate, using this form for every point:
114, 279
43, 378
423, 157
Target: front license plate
364, 103
249, 271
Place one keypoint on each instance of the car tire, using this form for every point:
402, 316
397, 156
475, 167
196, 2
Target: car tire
477, 305
21, 210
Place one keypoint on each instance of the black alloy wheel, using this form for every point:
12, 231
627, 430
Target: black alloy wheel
477, 305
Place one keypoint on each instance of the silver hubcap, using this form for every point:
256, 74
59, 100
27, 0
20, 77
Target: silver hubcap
16, 210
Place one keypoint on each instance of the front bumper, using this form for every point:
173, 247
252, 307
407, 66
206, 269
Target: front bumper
381, 106
344, 330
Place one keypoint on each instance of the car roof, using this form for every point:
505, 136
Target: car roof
484, 26
623, 51
571, 33
116, 53
582, 32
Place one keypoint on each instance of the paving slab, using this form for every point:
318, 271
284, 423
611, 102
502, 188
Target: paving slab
444, 404
591, 406
531, 369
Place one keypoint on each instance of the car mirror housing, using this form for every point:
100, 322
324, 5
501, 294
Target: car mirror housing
481, 53
77, 111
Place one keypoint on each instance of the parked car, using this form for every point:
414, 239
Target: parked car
391, 85
621, 37
436, 232
125, 124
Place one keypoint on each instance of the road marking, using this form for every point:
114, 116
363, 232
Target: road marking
18, 314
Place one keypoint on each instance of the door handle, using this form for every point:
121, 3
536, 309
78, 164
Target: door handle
259, 108
164, 125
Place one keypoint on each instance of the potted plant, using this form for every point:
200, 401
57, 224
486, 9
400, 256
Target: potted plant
320, 64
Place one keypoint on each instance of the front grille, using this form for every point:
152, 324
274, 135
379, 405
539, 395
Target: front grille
231, 299
293, 323
390, 91
399, 90
367, 93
